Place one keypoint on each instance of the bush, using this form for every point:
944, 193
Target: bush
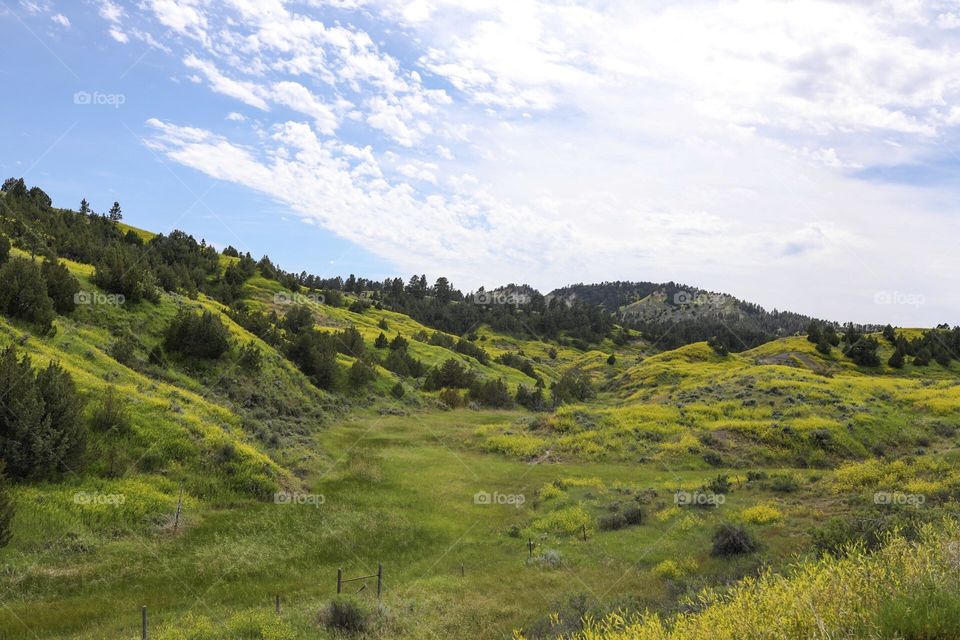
61, 286
251, 358
611, 521
4, 249
346, 614
124, 349
397, 390
730, 539
122, 270
452, 398
110, 413
784, 483
761, 514
201, 335
633, 514
23, 293
40, 429
361, 373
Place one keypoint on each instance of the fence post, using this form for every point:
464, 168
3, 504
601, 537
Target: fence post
339, 580
278, 604
530, 547
176, 518
379, 578
143, 622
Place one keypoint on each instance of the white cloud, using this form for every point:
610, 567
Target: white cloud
720, 143
61, 20
110, 11
233, 116
118, 35
299, 98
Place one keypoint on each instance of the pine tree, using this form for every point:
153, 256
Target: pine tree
85, 207
381, 342
116, 215
896, 360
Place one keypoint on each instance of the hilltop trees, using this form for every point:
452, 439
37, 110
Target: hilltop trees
40, 429
62, 287
115, 215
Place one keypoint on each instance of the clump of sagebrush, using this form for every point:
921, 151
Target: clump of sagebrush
731, 539
346, 614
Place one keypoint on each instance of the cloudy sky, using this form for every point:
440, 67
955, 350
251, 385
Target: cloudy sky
802, 155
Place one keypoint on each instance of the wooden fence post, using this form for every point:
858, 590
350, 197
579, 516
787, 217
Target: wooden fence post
379, 578
339, 580
143, 622
277, 603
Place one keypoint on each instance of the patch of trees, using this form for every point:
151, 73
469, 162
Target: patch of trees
573, 386
41, 433
200, 335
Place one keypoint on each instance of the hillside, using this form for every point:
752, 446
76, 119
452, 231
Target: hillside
221, 432
671, 315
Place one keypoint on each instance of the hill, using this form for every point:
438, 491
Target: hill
199, 431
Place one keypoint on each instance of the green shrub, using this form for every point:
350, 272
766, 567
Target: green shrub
730, 539
110, 413
61, 286
201, 335
23, 293
397, 390
611, 521
346, 614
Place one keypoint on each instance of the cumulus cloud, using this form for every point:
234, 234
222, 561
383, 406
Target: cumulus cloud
727, 144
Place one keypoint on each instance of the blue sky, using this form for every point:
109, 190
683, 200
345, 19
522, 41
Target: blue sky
802, 157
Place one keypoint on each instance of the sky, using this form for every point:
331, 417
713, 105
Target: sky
800, 155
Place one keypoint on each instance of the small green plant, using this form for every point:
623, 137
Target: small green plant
346, 614
730, 540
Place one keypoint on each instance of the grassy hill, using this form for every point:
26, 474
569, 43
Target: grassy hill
668, 493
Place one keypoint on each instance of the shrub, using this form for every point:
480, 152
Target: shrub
452, 398
784, 483
23, 293
633, 514
121, 270
730, 539
110, 413
397, 390
761, 514
361, 373
201, 335
346, 614
611, 521
251, 358
4, 249
40, 429
124, 349
61, 286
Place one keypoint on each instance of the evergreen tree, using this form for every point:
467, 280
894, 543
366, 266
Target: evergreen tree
62, 287
896, 360
4, 249
381, 342
889, 334
85, 207
23, 293
813, 332
115, 215
40, 431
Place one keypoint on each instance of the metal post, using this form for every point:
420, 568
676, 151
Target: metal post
379, 578
143, 622
339, 580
